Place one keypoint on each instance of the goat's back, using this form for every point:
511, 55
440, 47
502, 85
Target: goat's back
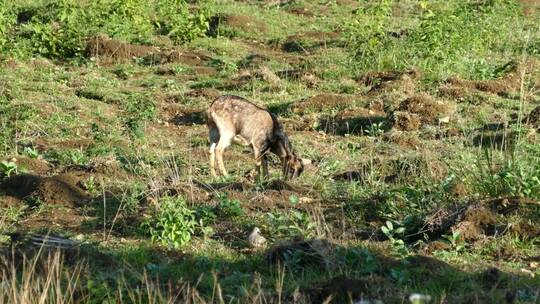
248, 119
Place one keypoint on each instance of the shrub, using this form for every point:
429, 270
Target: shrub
173, 222
60, 29
444, 38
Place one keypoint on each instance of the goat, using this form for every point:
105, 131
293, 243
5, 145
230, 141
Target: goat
233, 119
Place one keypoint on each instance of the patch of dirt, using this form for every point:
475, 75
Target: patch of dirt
480, 219
245, 77
301, 11
420, 109
56, 190
322, 102
533, 118
253, 61
178, 55
390, 170
525, 229
304, 76
530, 7
504, 86
241, 22
402, 139
351, 3
343, 289
351, 121
189, 117
104, 47
475, 222
388, 80
78, 143
208, 93
32, 165
315, 252
405, 121
307, 41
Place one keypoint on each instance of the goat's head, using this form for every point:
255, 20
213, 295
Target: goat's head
295, 165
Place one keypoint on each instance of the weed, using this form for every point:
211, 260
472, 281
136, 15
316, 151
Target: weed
455, 241
31, 152
395, 236
293, 223
172, 223
228, 207
8, 168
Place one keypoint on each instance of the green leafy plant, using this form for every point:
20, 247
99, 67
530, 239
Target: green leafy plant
455, 241
229, 207
375, 129
172, 223
293, 223
8, 168
31, 152
395, 236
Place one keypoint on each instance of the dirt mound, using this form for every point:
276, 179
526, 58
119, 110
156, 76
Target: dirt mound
533, 118
420, 109
253, 61
530, 7
37, 166
343, 289
480, 219
405, 121
240, 22
307, 41
504, 86
301, 11
352, 121
188, 117
56, 190
322, 102
178, 55
304, 76
103, 46
387, 79
392, 170
402, 139
246, 77
207, 93
316, 252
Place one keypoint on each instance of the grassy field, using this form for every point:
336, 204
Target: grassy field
421, 120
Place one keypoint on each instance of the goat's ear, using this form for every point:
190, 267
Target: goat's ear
306, 162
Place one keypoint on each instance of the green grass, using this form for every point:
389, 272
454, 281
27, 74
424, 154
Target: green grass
159, 228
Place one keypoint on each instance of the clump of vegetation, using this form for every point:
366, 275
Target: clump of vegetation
60, 29
172, 222
444, 41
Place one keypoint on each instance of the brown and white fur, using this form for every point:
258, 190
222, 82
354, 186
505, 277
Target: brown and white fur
233, 119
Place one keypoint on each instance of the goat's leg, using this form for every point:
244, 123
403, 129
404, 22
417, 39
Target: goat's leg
214, 139
285, 168
265, 167
213, 159
258, 162
225, 141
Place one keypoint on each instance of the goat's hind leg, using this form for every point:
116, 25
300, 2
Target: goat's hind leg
214, 139
225, 141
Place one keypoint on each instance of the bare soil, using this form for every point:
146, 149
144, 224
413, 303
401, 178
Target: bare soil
322, 102
114, 50
56, 190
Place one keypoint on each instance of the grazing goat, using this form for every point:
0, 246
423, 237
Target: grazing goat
234, 119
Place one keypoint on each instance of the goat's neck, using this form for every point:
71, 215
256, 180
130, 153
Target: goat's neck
281, 149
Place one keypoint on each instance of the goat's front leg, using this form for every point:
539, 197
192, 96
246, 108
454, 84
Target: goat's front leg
259, 161
265, 167
285, 168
